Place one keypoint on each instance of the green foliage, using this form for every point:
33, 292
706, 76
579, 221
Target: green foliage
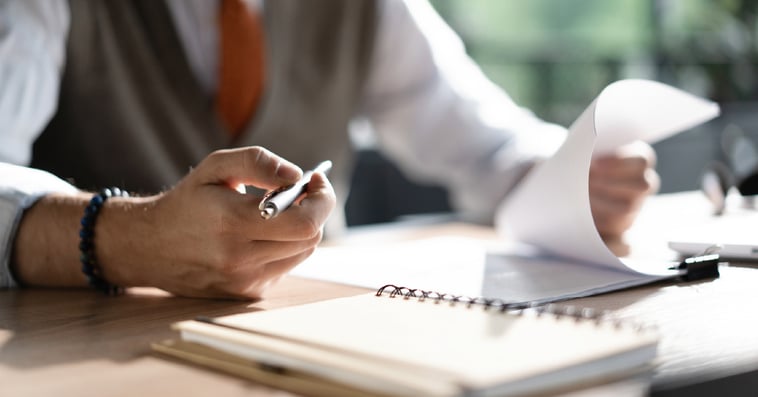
555, 55
589, 27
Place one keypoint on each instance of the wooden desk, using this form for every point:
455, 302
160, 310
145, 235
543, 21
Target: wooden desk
77, 342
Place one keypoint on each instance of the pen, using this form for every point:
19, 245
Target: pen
280, 199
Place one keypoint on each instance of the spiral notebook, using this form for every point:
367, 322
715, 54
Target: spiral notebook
402, 342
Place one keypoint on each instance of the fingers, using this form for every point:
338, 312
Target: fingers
310, 214
244, 271
646, 183
253, 165
611, 218
254, 284
635, 150
260, 167
303, 220
629, 172
618, 185
211, 241
290, 238
250, 280
248, 257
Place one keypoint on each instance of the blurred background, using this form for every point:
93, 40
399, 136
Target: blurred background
554, 57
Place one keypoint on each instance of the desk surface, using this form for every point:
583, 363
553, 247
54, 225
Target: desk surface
77, 342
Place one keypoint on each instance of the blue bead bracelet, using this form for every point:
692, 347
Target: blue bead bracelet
90, 267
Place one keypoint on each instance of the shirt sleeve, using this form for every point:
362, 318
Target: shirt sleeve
20, 188
441, 120
32, 49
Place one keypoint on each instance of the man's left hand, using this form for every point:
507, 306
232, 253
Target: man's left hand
619, 183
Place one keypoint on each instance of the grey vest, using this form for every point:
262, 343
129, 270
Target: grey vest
132, 114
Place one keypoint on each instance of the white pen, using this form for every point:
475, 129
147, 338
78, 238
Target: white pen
280, 199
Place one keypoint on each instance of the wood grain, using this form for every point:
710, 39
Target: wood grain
78, 342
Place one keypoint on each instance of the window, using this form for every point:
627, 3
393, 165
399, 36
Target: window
554, 57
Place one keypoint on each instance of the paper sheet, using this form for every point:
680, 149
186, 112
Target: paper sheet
550, 211
444, 264
464, 266
551, 207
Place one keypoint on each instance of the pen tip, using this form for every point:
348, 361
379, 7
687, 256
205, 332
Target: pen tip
267, 213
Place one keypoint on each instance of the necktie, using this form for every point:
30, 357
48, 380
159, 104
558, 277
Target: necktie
241, 65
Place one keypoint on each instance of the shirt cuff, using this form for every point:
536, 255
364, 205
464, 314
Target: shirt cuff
20, 188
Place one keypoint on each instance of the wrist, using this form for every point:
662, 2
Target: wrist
90, 266
46, 247
123, 233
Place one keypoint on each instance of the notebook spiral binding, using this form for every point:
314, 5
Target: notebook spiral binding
519, 308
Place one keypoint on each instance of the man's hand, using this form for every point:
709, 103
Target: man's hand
619, 183
201, 238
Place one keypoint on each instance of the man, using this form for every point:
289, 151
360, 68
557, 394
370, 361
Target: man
143, 96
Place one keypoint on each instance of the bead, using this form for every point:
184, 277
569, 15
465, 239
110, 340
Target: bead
85, 245
87, 258
98, 200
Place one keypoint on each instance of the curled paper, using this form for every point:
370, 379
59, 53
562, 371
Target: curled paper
550, 209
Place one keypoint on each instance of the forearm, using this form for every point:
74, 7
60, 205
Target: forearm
201, 238
45, 251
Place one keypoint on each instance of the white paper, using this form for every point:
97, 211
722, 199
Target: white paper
444, 264
467, 267
551, 207
550, 211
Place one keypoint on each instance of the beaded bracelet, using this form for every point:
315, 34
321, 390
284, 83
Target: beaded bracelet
90, 267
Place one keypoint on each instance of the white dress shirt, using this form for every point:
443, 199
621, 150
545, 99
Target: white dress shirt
431, 108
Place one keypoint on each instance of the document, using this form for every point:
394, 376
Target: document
550, 249
550, 209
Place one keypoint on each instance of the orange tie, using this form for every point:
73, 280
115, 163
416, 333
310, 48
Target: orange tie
240, 83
